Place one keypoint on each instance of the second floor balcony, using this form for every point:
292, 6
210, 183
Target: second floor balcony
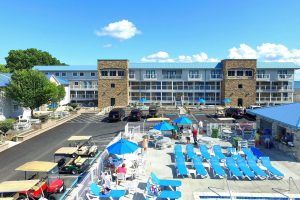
84, 87
285, 77
195, 76
274, 88
150, 77
84, 96
171, 76
263, 77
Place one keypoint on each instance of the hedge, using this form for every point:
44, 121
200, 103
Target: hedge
7, 125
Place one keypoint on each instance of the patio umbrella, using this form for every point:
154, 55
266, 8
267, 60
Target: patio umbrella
163, 126
201, 100
183, 120
227, 100
122, 147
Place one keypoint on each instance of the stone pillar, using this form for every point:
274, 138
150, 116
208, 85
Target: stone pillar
274, 130
258, 123
297, 144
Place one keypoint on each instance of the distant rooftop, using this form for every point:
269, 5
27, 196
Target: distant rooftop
287, 114
194, 65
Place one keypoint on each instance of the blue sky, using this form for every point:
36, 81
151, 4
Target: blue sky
80, 32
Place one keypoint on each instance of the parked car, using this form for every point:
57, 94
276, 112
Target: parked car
135, 115
234, 113
116, 114
153, 111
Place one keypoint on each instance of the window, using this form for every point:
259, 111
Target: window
131, 74
56, 73
81, 74
240, 73
231, 73
112, 85
112, 101
261, 71
240, 86
282, 71
249, 73
93, 74
121, 73
75, 74
113, 73
75, 83
63, 74
104, 73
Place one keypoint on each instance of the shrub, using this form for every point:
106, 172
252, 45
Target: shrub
215, 133
73, 105
7, 125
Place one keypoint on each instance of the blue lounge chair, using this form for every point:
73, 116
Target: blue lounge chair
200, 169
204, 152
113, 194
177, 148
249, 154
256, 152
190, 153
231, 151
234, 170
218, 152
245, 169
273, 172
181, 168
165, 182
164, 194
258, 171
217, 169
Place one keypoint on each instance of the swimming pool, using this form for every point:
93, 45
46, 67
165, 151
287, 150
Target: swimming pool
255, 196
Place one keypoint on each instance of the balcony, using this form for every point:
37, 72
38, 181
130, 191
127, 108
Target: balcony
195, 76
276, 88
165, 76
216, 77
84, 87
84, 97
150, 77
285, 77
274, 99
263, 77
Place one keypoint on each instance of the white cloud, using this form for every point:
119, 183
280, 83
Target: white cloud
242, 52
163, 56
121, 30
107, 45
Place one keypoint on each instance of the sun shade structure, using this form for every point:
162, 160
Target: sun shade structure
66, 150
287, 115
122, 147
201, 100
37, 166
79, 138
17, 186
158, 119
183, 120
163, 126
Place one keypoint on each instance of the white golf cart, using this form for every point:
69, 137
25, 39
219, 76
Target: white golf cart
85, 145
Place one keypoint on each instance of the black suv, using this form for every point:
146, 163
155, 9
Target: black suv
116, 114
234, 112
135, 115
153, 111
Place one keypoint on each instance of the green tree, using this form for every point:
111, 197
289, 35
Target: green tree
60, 94
31, 89
4, 69
26, 59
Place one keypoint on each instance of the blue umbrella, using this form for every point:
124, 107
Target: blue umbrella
183, 120
122, 147
201, 100
163, 126
227, 100
143, 100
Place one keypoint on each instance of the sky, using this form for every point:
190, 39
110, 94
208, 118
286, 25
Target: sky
80, 32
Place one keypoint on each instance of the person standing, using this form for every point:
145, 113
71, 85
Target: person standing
200, 125
195, 134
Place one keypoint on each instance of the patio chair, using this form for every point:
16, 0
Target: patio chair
218, 171
218, 153
257, 170
200, 169
177, 148
204, 152
181, 168
95, 192
234, 170
249, 154
151, 192
273, 172
190, 153
249, 174
256, 152
165, 182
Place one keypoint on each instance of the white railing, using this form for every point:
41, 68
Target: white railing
83, 97
274, 99
285, 76
216, 76
195, 76
274, 88
172, 76
150, 76
262, 76
84, 87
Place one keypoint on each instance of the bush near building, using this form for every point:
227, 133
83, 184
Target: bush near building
6, 125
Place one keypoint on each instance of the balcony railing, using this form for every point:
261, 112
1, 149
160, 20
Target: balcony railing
274, 88
216, 77
150, 76
84, 97
195, 76
264, 77
172, 76
84, 87
285, 76
274, 99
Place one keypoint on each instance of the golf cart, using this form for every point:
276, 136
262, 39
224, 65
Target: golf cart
47, 172
84, 145
69, 162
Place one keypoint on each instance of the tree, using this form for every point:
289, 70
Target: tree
31, 89
60, 94
4, 69
26, 59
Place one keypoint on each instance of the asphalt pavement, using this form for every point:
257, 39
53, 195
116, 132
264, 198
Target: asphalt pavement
43, 146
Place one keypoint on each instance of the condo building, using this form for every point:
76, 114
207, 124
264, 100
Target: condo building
119, 82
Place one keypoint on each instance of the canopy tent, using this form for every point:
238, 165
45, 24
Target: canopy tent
164, 126
122, 146
183, 121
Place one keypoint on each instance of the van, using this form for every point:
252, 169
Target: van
116, 114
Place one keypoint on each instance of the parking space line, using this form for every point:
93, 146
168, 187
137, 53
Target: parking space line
194, 118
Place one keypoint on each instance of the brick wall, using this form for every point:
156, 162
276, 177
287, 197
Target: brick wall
105, 92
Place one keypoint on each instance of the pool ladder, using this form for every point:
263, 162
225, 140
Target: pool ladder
280, 190
228, 188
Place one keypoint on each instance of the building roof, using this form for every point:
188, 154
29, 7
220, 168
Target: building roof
61, 81
277, 65
4, 79
66, 68
287, 115
196, 65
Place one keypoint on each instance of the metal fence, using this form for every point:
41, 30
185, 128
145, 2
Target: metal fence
237, 128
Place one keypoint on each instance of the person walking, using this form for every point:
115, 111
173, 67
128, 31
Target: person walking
195, 134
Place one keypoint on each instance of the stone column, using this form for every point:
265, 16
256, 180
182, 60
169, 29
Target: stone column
297, 144
274, 130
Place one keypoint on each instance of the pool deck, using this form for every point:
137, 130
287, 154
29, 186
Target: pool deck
160, 162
